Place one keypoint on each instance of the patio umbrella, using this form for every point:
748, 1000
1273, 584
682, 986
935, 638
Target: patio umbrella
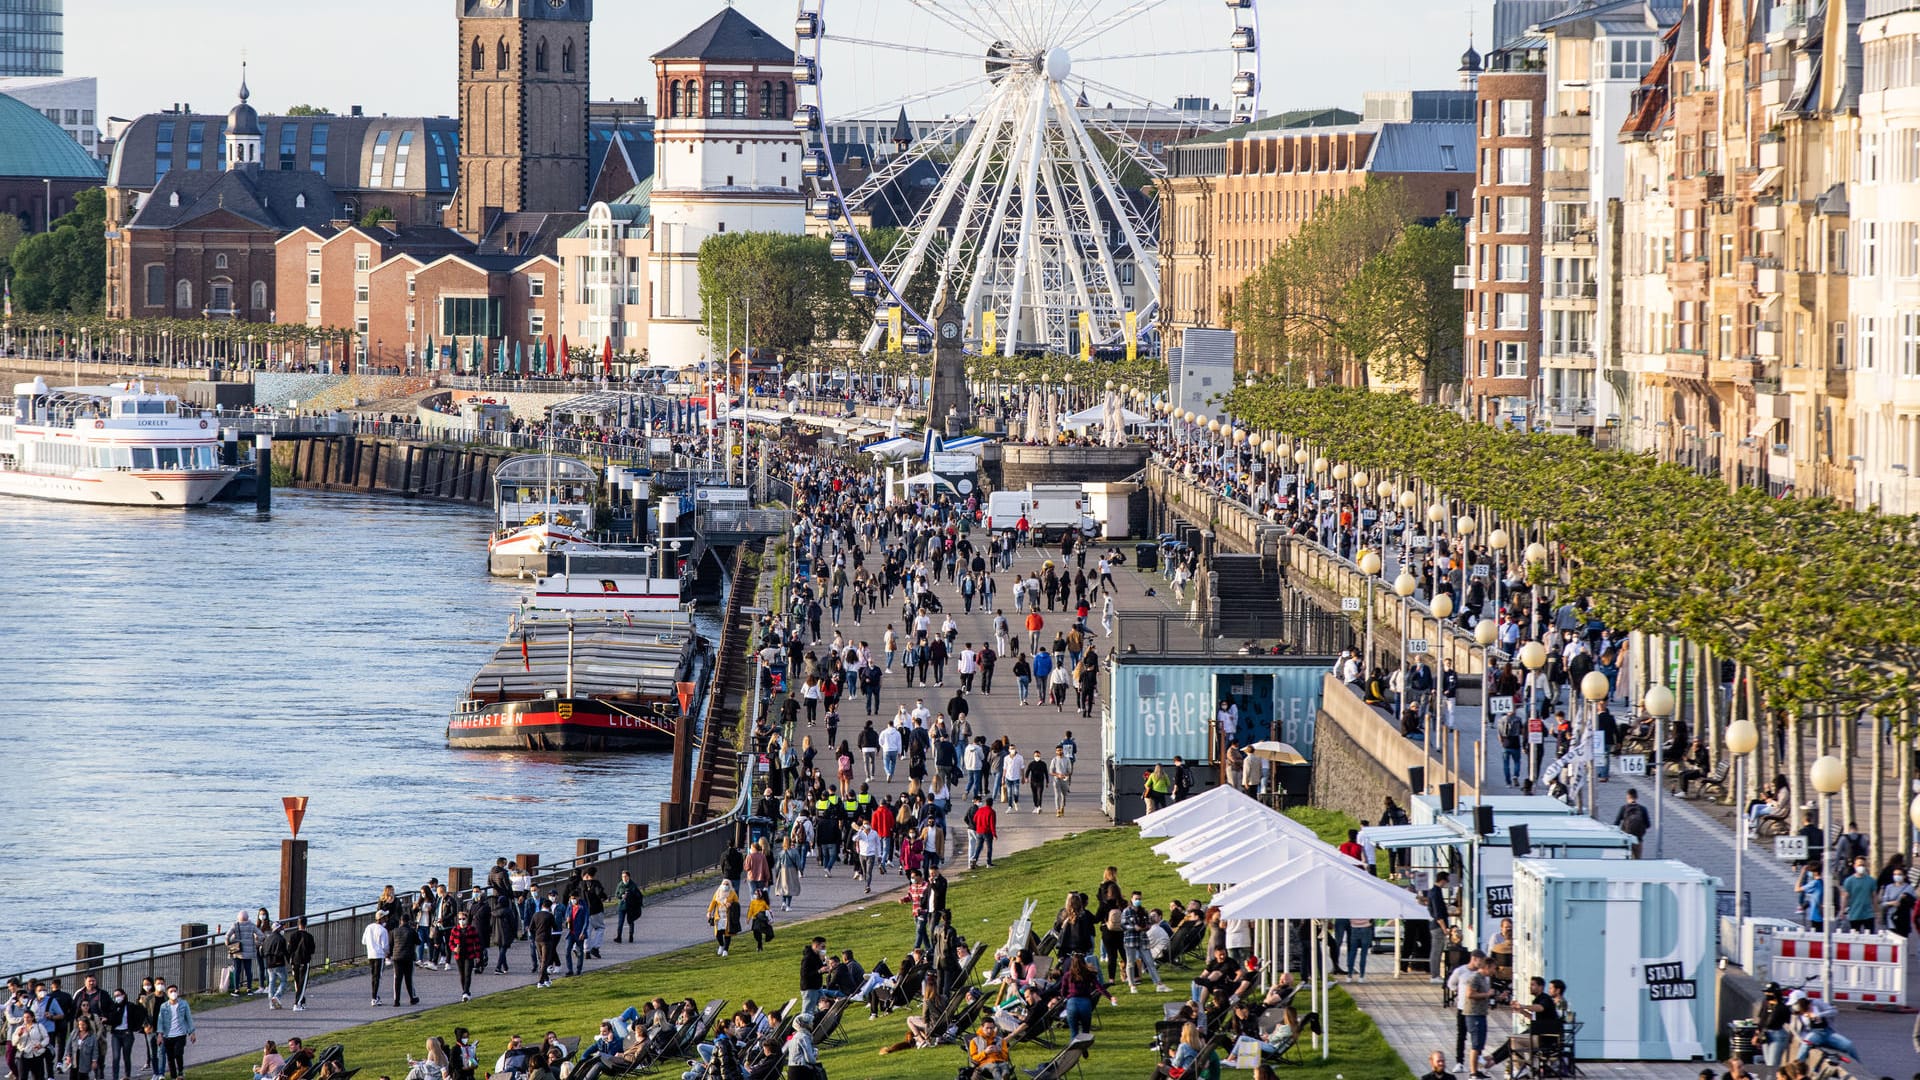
1116, 425
1183, 815
517, 357
1034, 415
566, 360
1277, 752
503, 356
547, 355
429, 356
1052, 431
606, 359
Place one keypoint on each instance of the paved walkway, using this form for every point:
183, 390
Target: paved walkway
1703, 833
677, 920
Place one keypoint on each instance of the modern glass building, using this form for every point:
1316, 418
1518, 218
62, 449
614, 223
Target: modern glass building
30, 37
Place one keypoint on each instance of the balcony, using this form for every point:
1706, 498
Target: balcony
1568, 355
1686, 363
1766, 378
1766, 276
1572, 290
1581, 233
1566, 180
1766, 216
1572, 125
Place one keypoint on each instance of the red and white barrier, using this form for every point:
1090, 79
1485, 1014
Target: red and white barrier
1868, 968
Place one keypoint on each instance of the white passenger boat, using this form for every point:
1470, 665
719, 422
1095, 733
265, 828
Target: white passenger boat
544, 507
118, 445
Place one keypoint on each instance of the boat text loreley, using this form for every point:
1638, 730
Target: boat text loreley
118, 445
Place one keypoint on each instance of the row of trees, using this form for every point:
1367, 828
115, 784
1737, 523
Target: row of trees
65, 335
798, 292
1809, 598
1362, 292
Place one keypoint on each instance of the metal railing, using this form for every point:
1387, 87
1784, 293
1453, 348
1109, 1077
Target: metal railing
193, 963
1231, 631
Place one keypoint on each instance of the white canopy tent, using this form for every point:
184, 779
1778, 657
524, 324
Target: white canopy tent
1174, 819
905, 446
1100, 416
1276, 870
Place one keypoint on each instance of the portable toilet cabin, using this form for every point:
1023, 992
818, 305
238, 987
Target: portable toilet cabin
1636, 943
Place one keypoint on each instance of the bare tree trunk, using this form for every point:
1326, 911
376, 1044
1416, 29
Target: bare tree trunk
1903, 750
1711, 732
1877, 791
1796, 773
1847, 729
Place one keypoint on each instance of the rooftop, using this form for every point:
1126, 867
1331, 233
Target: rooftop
1295, 118
33, 146
728, 36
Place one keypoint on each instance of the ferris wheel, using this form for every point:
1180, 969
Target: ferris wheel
1028, 139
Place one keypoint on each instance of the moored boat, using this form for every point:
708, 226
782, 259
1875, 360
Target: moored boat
543, 505
108, 445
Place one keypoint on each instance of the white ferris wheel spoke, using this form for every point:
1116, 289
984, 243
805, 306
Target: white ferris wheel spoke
885, 110
899, 163
1078, 60
1117, 20
987, 261
901, 46
1029, 201
927, 226
1110, 276
1143, 252
982, 32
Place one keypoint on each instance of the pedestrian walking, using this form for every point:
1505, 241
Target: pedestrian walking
175, 1027
469, 952
1060, 771
630, 902
378, 944
723, 914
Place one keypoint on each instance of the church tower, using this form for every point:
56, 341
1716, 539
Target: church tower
243, 132
523, 109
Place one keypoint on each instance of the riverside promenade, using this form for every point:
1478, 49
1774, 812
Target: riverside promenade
677, 919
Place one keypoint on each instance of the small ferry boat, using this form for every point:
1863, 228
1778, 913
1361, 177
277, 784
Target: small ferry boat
543, 504
622, 577
108, 445
578, 681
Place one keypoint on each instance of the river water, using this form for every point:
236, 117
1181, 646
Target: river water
172, 675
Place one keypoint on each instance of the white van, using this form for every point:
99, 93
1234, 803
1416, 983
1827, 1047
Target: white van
1006, 508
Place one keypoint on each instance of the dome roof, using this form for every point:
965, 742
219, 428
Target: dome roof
243, 120
1470, 60
33, 146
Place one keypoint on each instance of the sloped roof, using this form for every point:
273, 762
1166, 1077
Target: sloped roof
33, 146
1294, 118
728, 36
1424, 146
271, 200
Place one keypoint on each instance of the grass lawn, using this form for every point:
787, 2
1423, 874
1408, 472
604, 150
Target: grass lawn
983, 904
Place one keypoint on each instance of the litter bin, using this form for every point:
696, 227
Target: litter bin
1146, 557
1742, 1040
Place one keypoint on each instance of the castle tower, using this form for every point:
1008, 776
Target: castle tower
727, 159
523, 109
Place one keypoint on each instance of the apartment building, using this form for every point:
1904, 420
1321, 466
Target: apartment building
1503, 309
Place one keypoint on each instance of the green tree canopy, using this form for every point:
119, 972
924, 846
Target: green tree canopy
64, 268
309, 110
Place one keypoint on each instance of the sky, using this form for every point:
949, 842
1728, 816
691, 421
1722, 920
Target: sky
397, 56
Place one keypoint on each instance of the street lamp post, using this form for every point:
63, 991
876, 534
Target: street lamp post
1741, 738
1369, 569
1536, 557
1594, 687
1441, 606
1828, 774
1497, 540
1404, 586
1484, 633
1658, 702
1533, 657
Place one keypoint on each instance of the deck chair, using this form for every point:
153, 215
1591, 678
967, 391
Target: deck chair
826, 1027
709, 1016
1034, 1027
1219, 1043
1186, 938
1064, 1062
1284, 1043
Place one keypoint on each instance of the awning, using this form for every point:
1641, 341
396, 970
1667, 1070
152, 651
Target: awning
1762, 427
1396, 837
1767, 178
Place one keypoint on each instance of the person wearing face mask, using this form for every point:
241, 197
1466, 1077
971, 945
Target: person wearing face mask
175, 1027
1134, 924
469, 952
1897, 900
153, 995
126, 1019
32, 1049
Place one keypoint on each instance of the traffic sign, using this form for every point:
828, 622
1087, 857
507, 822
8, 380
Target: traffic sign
1790, 848
1349, 603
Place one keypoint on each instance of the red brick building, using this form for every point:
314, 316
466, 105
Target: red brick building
1504, 319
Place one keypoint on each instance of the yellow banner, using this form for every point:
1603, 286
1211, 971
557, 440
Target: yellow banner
989, 333
1086, 336
1133, 336
895, 329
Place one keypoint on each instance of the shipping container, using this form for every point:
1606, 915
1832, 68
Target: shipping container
1636, 942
